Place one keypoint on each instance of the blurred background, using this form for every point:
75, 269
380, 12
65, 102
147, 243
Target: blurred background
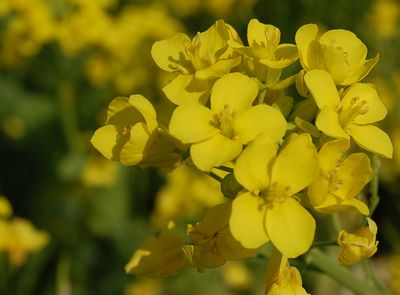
62, 62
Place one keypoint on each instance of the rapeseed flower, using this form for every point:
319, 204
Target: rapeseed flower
351, 113
269, 209
217, 135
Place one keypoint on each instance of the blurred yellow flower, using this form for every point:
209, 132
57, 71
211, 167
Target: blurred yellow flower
383, 17
338, 52
186, 193
358, 245
144, 287
158, 256
5, 207
237, 276
99, 172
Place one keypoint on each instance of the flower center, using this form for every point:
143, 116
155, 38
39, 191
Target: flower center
357, 107
223, 121
275, 194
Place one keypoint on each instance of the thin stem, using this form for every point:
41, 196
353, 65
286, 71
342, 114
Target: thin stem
326, 264
215, 176
374, 200
324, 243
223, 168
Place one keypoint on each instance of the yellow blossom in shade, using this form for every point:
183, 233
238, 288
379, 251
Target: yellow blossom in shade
237, 276
288, 282
340, 179
196, 61
339, 52
186, 193
358, 245
217, 135
99, 172
5, 207
351, 114
269, 210
24, 238
158, 256
132, 136
268, 57
213, 243
144, 287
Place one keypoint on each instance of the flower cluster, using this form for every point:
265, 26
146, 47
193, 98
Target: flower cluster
286, 155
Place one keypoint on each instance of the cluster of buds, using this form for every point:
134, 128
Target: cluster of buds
284, 155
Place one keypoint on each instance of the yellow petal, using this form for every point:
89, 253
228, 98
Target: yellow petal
185, 88
375, 109
372, 139
284, 55
251, 168
215, 151
170, 54
335, 62
360, 72
348, 43
318, 191
105, 140
218, 69
304, 36
146, 109
121, 113
247, 221
192, 122
5, 208
296, 165
259, 34
352, 174
331, 205
257, 120
133, 150
331, 153
230, 248
290, 227
322, 88
234, 90
328, 122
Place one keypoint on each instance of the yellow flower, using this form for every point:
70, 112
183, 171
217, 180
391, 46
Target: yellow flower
158, 256
288, 282
340, 180
24, 238
351, 114
132, 136
196, 61
269, 210
268, 57
213, 243
186, 194
5, 207
338, 52
358, 245
218, 134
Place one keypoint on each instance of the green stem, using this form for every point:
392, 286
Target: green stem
223, 168
324, 243
215, 176
374, 200
326, 264
68, 115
